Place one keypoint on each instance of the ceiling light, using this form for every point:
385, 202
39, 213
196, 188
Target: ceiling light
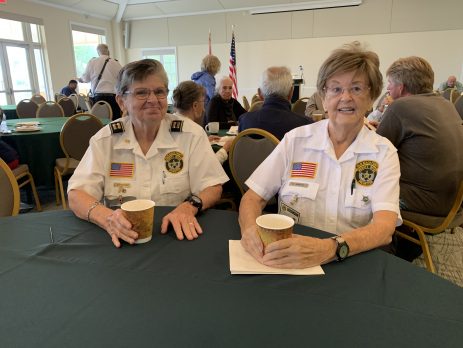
302, 6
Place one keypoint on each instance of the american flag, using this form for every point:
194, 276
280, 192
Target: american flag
121, 169
304, 169
232, 69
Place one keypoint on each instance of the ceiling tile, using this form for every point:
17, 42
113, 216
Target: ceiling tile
142, 10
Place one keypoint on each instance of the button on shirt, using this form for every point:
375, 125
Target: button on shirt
319, 188
108, 80
177, 164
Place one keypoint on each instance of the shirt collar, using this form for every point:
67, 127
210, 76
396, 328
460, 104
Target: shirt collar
318, 139
128, 141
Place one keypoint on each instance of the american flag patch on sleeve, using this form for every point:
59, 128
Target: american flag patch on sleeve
304, 170
121, 169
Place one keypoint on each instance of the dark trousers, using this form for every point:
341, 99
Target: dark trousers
111, 99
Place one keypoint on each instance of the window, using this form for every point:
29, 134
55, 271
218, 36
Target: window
22, 64
168, 58
85, 40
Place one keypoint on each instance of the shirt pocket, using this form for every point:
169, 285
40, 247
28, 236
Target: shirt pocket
177, 185
358, 206
301, 196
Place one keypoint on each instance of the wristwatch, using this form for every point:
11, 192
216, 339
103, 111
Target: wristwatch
195, 201
342, 249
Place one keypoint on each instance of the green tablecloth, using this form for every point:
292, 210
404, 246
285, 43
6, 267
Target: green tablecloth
83, 292
10, 111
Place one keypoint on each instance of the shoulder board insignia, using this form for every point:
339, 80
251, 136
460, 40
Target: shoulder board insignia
176, 126
116, 127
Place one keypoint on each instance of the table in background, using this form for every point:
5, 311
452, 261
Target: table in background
39, 149
83, 292
10, 111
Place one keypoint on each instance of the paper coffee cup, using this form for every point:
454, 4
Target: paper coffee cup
140, 213
273, 227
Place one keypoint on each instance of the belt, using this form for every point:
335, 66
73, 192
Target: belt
104, 95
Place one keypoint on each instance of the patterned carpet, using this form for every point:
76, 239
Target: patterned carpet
447, 254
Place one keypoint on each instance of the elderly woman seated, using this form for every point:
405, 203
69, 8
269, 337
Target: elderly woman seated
335, 175
148, 154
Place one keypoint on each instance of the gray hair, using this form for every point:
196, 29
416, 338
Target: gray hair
102, 49
276, 81
139, 71
221, 81
415, 73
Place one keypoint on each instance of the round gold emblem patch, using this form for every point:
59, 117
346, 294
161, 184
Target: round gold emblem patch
174, 162
365, 172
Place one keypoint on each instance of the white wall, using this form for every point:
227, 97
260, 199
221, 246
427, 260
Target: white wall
392, 28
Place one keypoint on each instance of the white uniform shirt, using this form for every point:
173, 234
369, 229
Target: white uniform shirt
321, 191
108, 80
176, 165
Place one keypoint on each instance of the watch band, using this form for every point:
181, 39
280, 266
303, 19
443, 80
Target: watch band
195, 201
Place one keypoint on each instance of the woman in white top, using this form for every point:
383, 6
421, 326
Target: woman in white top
335, 175
149, 154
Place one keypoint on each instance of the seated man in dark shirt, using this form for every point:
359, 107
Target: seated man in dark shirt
275, 116
70, 88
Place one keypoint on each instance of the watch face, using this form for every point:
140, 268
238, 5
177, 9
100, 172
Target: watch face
343, 251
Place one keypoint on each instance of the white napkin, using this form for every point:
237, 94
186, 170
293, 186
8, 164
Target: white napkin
241, 262
233, 130
222, 140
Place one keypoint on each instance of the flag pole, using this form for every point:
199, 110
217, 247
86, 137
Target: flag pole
210, 42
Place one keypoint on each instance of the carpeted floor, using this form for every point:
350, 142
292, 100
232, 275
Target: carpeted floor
447, 254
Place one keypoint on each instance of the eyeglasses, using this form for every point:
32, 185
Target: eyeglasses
336, 91
144, 93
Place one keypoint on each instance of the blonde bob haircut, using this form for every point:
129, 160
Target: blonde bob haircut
211, 64
415, 73
348, 58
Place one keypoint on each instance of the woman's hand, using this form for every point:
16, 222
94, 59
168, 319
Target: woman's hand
299, 252
183, 221
118, 227
252, 243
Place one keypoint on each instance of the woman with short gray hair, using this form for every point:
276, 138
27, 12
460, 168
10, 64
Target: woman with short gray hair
149, 154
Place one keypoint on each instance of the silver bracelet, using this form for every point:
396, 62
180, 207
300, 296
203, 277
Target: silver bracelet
93, 206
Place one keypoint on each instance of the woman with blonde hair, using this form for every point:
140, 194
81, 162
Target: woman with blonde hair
210, 66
